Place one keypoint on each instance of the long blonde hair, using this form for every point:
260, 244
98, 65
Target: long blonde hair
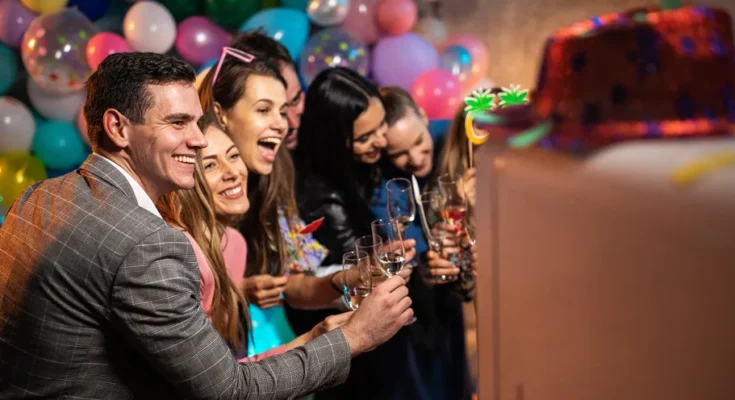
455, 155
194, 210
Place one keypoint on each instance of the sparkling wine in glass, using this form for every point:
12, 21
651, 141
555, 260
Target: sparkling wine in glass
401, 205
358, 281
391, 255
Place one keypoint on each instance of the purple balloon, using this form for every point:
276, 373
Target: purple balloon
399, 60
14, 20
199, 40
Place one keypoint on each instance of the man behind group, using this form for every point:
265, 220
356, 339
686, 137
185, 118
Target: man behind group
99, 298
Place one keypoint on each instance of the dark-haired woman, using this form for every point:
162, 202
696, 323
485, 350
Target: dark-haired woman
341, 138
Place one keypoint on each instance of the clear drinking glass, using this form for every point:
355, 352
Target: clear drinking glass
401, 204
358, 282
391, 255
370, 244
453, 199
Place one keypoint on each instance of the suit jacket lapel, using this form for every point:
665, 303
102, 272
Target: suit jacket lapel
102, 169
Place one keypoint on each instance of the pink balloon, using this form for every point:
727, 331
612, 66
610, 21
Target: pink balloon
102, 45
438, 92
361, 21
479, 54
82, 125
397, 17
199, 40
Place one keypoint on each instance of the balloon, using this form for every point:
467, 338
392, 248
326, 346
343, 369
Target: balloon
53, 50
113, 19
230, 14
399, 60
148, 26
333, 47
361, 21
478, 51
328, 12
82, 126
208, 65
93, 9
16, 126
58, 146
198, 40
287, 26
397, 17
438, 92
102, 45
431, 29
14, 20
458, 61
182, 9
44, 6
53, 105
3, 213
297, 4
8, 68
17, 172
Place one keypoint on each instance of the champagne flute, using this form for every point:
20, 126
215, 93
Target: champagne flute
370, 244
391, 255
401, 205
453, 198
358, 282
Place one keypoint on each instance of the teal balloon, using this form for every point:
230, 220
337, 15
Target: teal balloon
230, 14
8, 68
58, 145
287, 26
297, 4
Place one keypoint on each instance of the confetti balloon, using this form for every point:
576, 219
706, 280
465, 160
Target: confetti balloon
17, 172
54, 50
328, 12
333, 48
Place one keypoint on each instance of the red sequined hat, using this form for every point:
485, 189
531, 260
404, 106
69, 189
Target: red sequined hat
641, 74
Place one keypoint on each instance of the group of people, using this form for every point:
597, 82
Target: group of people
175, 260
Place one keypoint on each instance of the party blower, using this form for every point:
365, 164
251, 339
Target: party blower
605, 216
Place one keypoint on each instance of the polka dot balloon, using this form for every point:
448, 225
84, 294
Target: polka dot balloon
330, 48
54, 50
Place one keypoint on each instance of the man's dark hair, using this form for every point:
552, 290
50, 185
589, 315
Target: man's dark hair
261, 46
121, 83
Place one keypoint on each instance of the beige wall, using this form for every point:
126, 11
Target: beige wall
515, 30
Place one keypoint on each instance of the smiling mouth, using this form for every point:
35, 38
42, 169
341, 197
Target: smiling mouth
232, 193
185, 159
271, 143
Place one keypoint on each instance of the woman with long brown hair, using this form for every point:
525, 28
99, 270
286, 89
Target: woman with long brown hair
248, 97
205, 214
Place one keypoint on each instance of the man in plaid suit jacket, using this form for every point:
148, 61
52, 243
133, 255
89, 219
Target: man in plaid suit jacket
99, 297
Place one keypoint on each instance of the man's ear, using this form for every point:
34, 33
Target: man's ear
221, 115
116, 127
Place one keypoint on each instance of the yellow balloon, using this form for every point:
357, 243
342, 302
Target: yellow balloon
44, 6
200, 78
17, 172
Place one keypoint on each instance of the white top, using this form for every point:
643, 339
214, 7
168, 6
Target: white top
140, 195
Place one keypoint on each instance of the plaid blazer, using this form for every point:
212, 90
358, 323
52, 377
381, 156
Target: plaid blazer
99, 299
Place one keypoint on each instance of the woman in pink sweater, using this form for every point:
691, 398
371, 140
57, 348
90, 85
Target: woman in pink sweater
203, 214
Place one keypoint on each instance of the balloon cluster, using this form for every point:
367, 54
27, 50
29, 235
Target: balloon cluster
48, 48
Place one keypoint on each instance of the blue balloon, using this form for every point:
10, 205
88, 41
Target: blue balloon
93, 9
287, 26
58, 145
297, 4
8, 68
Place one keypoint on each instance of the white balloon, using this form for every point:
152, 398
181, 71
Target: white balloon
53, 105
431, 29
149, 26
328, 12
16, 126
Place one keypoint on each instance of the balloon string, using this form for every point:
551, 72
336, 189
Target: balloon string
697, 169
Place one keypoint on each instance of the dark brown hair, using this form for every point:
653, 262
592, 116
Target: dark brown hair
397, 103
